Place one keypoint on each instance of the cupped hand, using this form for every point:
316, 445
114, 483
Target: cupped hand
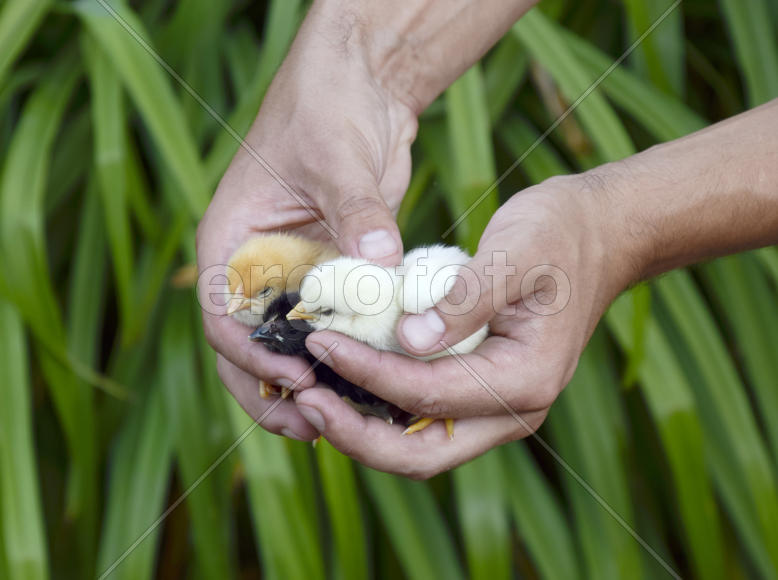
328, 157
542, 278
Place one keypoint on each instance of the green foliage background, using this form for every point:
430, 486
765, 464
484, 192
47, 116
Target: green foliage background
110, 406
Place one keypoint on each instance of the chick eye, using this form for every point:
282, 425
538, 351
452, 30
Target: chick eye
327, 312
265, 292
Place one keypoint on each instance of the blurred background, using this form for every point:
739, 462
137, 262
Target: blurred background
665, 444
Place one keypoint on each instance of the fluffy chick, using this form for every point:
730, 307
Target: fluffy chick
288, 337
266, 266
365, 301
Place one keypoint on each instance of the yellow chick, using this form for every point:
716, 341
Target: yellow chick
262, 269
266, 266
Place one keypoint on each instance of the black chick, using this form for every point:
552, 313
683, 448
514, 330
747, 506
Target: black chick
287, 337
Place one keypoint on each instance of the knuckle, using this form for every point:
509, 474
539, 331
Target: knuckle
358, 205
546, 393
429, 404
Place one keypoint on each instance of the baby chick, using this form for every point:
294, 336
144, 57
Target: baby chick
288, 337
365, 301
264, 267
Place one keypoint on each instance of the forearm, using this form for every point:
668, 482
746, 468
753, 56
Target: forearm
414, 49
711, 193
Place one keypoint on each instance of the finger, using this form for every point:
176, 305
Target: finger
279, 416
230, 339
374, 443
479, 383
364, 223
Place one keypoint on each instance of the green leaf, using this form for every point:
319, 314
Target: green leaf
122, 36
415, 526
671, 403
663, 115
753, 35
585, 425
339, 486
659, 57
473, 198
195, 453
285, 531
747, 303
21, 516
108, 119
481, 492
138, 484
546, 44
19, 19
542, 524
724, 410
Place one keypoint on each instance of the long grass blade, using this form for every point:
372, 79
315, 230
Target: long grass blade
21, 515
415, 526
544, 42
138, 483
725, 413
108, 120
152, 94
753, 35
660, 57
473, 198
585, 427
339, 485
539, 516
18, 21
194, 451
481, 494
748, 304
671, 403
286, 533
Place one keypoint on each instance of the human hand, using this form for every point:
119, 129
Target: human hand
339, 153
542, 277
575, 243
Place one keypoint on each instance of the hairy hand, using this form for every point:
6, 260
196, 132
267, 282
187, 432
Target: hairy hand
328, 157
542, 279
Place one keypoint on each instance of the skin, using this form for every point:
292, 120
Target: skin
343, 142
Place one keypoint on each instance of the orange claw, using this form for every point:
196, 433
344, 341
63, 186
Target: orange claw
425, 422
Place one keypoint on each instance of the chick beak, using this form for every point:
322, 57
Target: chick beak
236, 304
299, 313
262, 334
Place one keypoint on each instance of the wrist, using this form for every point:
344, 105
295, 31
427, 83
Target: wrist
416, 49
709, 194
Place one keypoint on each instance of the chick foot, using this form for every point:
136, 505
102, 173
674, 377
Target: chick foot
266, 390
425, 422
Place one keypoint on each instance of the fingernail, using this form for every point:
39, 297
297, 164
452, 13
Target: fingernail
377, 244
423, 331
312, 416
283, 382
286, 432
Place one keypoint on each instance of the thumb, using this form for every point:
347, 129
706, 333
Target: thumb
364, 224
478, 294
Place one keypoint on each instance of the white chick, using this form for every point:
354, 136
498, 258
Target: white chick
365, 301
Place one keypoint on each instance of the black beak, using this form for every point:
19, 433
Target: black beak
263, 333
